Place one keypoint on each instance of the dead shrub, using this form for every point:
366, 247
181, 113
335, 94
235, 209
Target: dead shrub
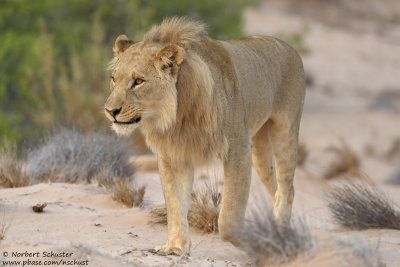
204, 208
359, 206
12, 173
73, 156
346, 163
265, 240
128, 194
204, 211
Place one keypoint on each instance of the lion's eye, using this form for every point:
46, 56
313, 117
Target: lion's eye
112, 79
137, 82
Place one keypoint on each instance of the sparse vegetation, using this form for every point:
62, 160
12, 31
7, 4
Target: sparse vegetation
353, 249
128, 194
268, 242
4, 225
11, 169
359, 206
159, 214
73, 156
346, 163
204, 208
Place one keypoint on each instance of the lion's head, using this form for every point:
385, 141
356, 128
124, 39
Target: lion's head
164, 86
143, 85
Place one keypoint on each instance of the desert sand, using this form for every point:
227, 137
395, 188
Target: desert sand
353, 64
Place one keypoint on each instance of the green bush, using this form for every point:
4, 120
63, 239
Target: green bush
54, 54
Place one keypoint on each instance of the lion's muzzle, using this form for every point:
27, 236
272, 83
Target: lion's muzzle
114, 112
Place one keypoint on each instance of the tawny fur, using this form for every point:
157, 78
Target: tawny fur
237, 100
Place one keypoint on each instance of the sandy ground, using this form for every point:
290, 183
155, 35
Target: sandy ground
354, 95
85, 220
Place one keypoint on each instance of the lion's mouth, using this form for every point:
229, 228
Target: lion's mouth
134, 120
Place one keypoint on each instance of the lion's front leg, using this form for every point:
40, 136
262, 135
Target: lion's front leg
177, 184
237, 178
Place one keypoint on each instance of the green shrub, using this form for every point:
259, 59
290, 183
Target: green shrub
54, 55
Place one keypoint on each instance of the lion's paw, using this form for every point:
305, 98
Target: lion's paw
166, 250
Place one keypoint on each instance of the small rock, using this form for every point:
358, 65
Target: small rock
39, 207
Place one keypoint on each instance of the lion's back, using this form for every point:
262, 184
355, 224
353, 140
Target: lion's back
270, 76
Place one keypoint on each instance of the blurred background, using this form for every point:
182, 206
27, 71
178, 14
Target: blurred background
54, 54
351, 55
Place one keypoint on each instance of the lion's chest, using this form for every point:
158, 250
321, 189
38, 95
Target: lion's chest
195, 148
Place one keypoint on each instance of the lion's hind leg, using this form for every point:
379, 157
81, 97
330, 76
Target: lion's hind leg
263, 161
283, 134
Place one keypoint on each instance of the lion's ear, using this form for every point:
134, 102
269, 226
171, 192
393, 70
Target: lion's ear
171, 56
121, 44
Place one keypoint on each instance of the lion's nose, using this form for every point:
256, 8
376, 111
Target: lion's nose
113, 112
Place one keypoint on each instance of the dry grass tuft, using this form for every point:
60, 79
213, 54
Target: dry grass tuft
358, 206
264, 239
355, 251
159, 214
4, 225
204, 211
73, 156
204, 208
12, 173
346, 163
128, 194
302, 154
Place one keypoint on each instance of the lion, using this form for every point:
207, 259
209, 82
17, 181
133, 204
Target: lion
196, 99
